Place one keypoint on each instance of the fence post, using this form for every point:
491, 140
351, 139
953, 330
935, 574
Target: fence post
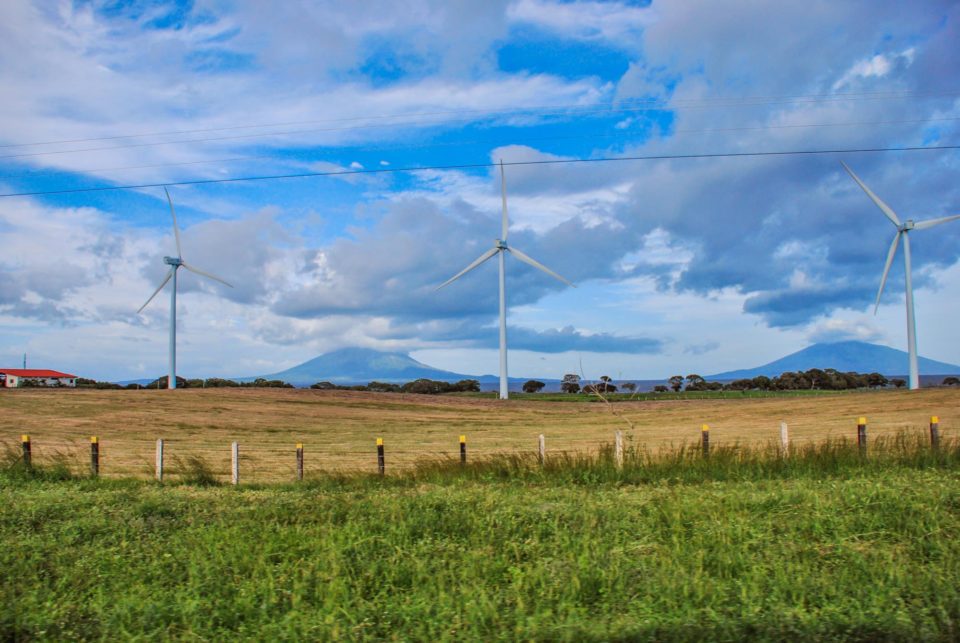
299, 461
935, 432
705, 439
542, 451
160, 460
463, 449
862, 435
784, 439
235, 463
381, 463
618, 449
94, 456
27, 454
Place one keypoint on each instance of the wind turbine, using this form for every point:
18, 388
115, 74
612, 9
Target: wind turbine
903, 230
175, 264
500, 248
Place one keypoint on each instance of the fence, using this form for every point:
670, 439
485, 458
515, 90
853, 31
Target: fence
253, 462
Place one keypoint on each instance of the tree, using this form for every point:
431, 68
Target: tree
383, 387
951, 381
761, 382
629, 386
533, 386
467, 386
695, 382
676, 382
605, 382
899, 383
876, 380
570, 383
660, 388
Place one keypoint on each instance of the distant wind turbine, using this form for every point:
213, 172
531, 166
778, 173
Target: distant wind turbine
500, 248
902, 231
175, 263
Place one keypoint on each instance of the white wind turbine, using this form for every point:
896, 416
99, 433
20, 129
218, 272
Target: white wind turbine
175, 263
500, 248
903, 230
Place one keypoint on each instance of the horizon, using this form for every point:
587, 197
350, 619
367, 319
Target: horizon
681, 264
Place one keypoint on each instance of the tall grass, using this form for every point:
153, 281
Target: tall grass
686, 463
823, 544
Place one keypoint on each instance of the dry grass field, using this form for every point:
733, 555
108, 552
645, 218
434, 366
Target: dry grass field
338, 428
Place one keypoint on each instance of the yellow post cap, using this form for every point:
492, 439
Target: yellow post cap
463, 439
299, 445
93, 439
862, 420
24, 438
379, 442
704, 428
934, 420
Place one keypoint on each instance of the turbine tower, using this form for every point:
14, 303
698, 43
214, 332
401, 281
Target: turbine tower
903, 230
500, 248
175, 264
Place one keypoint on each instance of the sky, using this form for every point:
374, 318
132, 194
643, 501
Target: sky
695, 261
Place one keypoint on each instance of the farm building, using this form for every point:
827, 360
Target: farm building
22, 377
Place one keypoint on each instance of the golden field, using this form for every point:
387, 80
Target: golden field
339, 428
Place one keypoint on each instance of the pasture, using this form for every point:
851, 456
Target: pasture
339, 428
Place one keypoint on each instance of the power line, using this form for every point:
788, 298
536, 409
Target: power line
542, 110
473, 166
537, 139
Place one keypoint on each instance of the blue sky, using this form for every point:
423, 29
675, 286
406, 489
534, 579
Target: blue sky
682, 265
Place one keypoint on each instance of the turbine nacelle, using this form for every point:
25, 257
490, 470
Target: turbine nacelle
173, 261
499, 244
906, 227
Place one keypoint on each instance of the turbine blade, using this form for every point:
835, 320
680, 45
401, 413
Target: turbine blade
886, 269
923, 225
157, 291
205, 274
176, 230
486, 255
886, 209
503, 194
536, 264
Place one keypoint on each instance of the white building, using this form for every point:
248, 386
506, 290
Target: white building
19, 377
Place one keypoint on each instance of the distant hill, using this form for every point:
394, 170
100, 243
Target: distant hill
362, 365
861, 357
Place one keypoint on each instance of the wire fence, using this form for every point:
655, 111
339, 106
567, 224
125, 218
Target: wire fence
284, 458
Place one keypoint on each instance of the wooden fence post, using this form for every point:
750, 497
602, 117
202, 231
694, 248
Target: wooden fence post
862, 435
381, 462
784, 439
935, 432
299, 461
159, 465
542, 451
27, 453
463, 449
618, 449
705, 439
94, 456
235, 463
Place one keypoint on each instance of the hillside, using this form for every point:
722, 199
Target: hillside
843, 356
362, 365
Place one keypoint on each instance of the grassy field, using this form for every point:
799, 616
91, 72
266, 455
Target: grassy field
339, 429
824, 545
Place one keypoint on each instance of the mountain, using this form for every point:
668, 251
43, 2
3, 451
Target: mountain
362, 365
843, 356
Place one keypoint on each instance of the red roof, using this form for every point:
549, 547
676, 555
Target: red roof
33, 372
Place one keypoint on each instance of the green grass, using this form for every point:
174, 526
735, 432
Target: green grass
746, 544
